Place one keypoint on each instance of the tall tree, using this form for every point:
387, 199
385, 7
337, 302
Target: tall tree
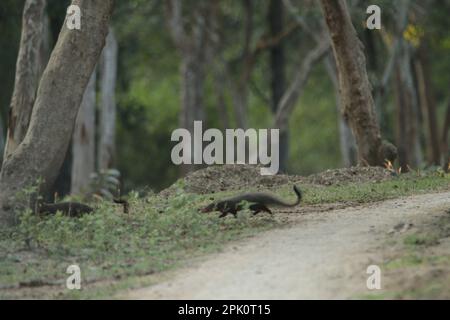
346, 139
428, 102
58, 99
277, 68
408, 142
445, 143
108, 75
28, 70
83, 140
190, 36
356, 96
290, 97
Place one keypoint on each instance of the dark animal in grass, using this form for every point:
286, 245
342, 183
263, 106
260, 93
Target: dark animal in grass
74, 209
258, 202
71, 209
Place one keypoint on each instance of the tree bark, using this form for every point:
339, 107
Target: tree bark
108, 74
346, 139
83, 141
356, 96
28, 71
59, 96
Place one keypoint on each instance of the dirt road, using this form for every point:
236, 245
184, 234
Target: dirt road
325, 255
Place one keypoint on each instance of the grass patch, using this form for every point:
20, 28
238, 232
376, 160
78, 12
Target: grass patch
370, 192
158, 234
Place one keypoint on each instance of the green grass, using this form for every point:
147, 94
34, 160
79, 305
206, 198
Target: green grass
159, 234
415, 256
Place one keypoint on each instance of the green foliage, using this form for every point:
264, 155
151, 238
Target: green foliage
109, 244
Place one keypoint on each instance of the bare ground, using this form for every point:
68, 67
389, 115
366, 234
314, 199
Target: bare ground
322, 255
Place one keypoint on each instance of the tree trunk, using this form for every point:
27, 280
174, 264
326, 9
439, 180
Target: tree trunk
407, 112
277, 66
346, 139
220, 83
83, 141
356, 96
193, 47
2, 139
428, 104
445, 142
59, 96
290, 97
28, 71
106, 148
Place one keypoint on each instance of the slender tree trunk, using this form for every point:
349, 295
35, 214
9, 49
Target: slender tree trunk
108, 74
83, 141
58, 99
28, 71
219, 88
408, 112
445, 141
428, 104
290, 97
356, 96
2, 139
277, 67
192, 83
193, 47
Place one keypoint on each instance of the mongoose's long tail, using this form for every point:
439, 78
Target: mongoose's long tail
298, 192
277, 201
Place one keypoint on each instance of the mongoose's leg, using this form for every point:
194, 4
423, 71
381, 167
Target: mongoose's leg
255, 208
264, 208
223, 214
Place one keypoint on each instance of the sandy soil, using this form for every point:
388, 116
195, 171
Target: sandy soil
323, 255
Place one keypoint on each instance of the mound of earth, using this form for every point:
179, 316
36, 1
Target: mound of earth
240, 177
230, 177
350, 175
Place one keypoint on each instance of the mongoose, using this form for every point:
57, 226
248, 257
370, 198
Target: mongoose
72, 209
259, 202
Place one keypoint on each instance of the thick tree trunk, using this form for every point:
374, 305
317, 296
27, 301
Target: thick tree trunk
83, 141
346, 139
106, 147
59, 96
28, 71
356, 96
